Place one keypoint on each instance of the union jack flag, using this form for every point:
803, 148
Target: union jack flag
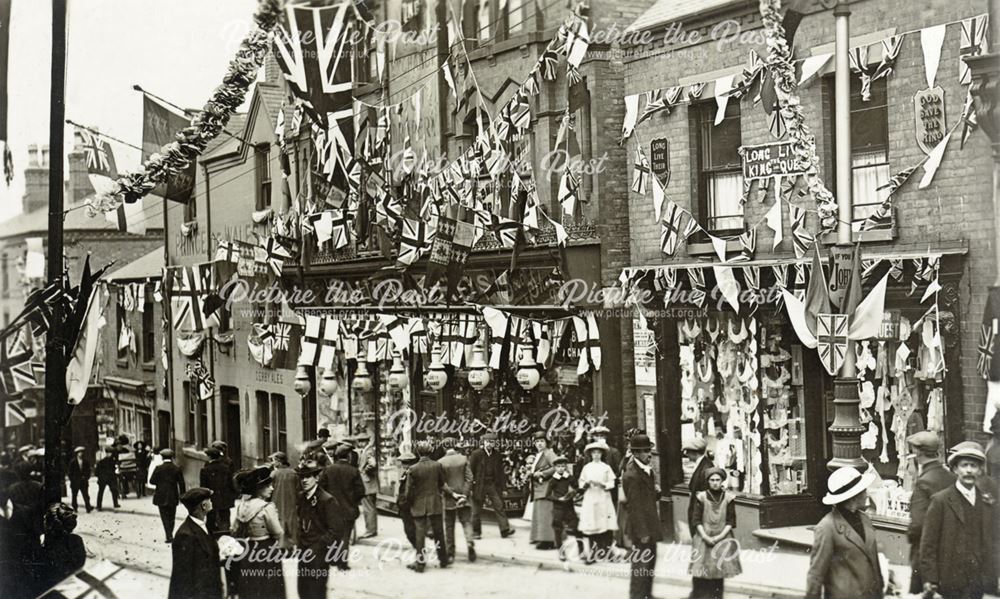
670, 228
831, 340
100, 159
272, 254
986, 344
801, 238
413, 241
189, 286
547, 64
973, 44
640, 172
16, 371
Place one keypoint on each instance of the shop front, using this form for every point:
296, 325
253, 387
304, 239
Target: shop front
740, 379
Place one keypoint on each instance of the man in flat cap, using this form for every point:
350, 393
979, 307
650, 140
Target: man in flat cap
925, 448
369, 476
286, 493
215, 475
696, 451
169, 482
958, 547
343, 482
79, 471
321, 526
196, 573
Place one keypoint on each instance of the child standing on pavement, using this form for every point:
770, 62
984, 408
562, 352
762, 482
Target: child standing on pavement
562, 492
714, 552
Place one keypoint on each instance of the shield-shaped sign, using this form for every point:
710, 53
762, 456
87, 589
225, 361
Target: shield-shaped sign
929, 114
831, 340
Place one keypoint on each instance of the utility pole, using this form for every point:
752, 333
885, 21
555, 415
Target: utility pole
55, 358
846, 428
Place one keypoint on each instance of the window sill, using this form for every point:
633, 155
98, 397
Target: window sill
121, 362
149, 366
707, 249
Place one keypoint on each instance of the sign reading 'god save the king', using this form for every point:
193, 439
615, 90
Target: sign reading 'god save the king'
769, 160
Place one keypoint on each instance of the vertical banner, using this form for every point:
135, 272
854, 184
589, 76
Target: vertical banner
644, 355
159, 125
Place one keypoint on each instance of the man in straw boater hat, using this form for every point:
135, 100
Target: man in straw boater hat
958, 547
643, 518
195, 571
844, 562
925, 449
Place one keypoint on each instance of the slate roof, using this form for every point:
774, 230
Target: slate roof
150, 265
669, 11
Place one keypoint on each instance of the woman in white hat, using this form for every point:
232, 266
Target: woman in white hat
844, 562
597, 514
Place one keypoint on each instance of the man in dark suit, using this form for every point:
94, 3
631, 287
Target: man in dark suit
423, 491
958, 549
458, 477
79, 472
844, 560
488, 482
925, 448
696, 451
343, 482
169, 482
215, 475
195, 572
643, 520
321, 525
107, 477
406, 461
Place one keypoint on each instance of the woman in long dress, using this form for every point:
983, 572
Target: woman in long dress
714, 552
542, 469
597, 514
258, 572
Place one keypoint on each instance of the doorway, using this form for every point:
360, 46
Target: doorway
231, 402
162, 429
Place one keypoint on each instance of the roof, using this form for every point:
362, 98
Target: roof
150, 265
668, 11
273, 97
37, 221
237, 122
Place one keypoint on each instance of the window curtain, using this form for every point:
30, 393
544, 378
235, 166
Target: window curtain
724, 209
870, 171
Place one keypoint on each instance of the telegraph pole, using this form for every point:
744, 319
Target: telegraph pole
55, 358
846, 428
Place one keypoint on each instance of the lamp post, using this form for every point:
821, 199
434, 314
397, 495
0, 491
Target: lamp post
846, 429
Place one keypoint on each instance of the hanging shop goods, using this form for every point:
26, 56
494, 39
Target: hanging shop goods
747, 381
175, 157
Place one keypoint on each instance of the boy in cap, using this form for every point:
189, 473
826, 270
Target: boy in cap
844, 559
169, 482
925, 448
958, 548
562, 493
195, 552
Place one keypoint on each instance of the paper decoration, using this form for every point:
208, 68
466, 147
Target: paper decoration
657, 198
719, 245
931, 40
934, 161
723, 85
813, 65
728, 286
773, 221
631, 114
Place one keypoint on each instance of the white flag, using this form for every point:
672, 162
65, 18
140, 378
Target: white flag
934, 161
774, 223
81, 365
631, 115
813, 65
723, 85
931, 40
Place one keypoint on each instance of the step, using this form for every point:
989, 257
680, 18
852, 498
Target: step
799, 537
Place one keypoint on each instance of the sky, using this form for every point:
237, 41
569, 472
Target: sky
177, 49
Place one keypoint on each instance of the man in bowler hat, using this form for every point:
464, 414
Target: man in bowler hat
925, 447
196, 573
643, 520
169, 482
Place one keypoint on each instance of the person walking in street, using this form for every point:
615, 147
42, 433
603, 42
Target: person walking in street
641, 495
958, 550
541, 511
169, 482
258, 573
196, 573
343, 482
844, 560
320, 527
406, 461
458, 477
107, 478
369, 476
142, 459
215, 476
925, 448
286, 491
714, 556
488, 482
79, 471
232, 493
562, 493
695, 449
424, 489
597, 514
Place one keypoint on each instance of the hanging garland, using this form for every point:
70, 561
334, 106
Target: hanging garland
779, 62
210, 122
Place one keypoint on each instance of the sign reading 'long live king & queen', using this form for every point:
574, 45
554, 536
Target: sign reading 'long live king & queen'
770, 160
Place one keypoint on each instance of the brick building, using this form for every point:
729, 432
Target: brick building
772, 434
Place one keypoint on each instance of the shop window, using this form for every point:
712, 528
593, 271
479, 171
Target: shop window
148, 332
262, 168
280, 428
264, 414
869, 146
720, 169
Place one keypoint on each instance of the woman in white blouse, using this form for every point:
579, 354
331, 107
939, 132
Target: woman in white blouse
597, 514
257, 572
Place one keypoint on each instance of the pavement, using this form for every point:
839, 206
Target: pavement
132, 536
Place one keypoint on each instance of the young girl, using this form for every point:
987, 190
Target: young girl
597, 514
714, 519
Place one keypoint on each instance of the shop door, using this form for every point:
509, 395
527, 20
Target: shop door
163, 429
231, 403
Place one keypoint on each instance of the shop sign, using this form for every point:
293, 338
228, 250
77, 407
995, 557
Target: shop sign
566, 375
929, 114
890, 325
840, 273
649, 405
269, 376
643, 354
659, 159
769, 160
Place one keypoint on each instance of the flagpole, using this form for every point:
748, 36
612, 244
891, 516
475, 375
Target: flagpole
55, 359
846, 429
